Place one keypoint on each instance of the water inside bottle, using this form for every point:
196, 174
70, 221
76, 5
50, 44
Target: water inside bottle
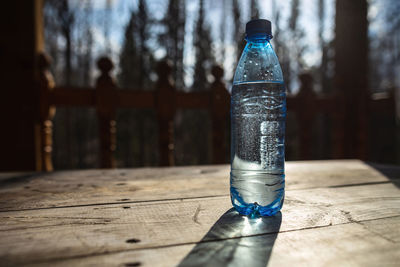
258, 156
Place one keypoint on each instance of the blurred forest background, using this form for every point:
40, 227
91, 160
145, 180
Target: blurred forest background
195, 35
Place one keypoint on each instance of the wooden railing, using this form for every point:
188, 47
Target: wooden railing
166, 99
106, 98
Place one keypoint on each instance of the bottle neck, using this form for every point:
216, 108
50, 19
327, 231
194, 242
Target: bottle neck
258, 38
258, 61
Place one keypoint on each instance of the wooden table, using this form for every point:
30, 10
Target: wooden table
336, 213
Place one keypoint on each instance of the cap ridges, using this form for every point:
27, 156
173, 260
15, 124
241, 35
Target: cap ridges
257, 27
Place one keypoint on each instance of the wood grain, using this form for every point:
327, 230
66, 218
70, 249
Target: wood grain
351, 244
334, 213
89, 187
84, 231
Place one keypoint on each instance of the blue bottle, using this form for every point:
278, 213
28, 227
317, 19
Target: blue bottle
258, 114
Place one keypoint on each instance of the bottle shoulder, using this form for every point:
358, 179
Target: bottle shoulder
258, 62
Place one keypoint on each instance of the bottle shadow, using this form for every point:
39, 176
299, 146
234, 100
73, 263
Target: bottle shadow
236, 240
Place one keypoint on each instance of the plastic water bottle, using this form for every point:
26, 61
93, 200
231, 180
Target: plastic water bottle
258, 114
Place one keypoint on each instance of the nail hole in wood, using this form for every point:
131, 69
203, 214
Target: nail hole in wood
133, 264
207, 171
133, 240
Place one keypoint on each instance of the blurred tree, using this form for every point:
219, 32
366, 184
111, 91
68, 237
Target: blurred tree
174, 37
85, 55
83, 126
128, 76
294, 14
254, 9
60, 19
145, 119
222, 33
136, 129
146, 61
322, 74
204, 52
295, 35
136, 58
238, 30
188, 130
64, 21
51, 32
385, 43
74, 129
280, 44
106, 18
66, 18
383, 72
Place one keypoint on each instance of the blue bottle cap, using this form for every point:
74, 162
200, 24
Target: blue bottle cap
258, 27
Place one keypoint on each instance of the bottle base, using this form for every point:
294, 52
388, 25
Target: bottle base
254, 210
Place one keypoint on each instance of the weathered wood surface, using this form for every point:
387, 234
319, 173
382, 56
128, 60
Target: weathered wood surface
360, 245
89, 187
335, 213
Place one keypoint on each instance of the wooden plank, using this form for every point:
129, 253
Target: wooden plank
47, 234
350, 244
341, 245
111, 186
10, 176
166, 256
387, 228
70, 188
